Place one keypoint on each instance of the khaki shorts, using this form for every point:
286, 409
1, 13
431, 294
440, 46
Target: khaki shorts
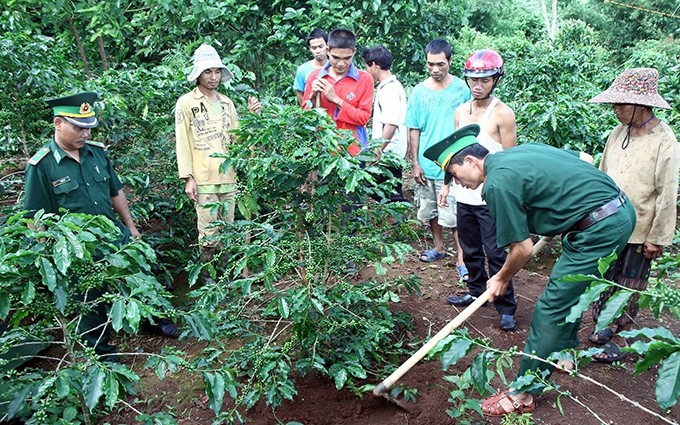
426, 202
205, 216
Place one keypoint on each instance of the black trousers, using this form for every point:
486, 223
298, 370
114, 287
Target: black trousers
477, 237
398, 194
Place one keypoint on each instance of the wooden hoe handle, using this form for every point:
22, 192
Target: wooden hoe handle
538, 246
385, 385
381, 389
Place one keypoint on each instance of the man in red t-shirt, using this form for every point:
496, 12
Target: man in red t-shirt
345, 92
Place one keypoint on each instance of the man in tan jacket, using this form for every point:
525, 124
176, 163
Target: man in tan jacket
203, 118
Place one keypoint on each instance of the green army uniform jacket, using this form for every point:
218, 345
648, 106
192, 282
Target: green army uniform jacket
55, 180
547, 199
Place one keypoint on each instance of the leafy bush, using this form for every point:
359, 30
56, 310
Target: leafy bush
285, 280
43, 276
23, 120
663, 348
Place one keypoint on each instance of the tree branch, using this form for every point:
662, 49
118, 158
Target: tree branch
102, 53
79, 44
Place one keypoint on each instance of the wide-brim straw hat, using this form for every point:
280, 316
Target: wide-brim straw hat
636, 86
206, 57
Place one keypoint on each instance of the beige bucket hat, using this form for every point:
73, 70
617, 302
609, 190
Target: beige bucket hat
637, 86
206, 57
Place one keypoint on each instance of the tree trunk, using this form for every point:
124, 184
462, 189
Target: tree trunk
550, 21
102, 53
79, 44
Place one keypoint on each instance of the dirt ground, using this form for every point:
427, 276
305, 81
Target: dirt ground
318, 403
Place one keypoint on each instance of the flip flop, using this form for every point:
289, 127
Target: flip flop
431, 255
602, 336
613, 353
463, 273
492, 406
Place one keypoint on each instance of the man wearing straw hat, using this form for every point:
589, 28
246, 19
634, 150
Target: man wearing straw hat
642, 157
203, 118
535, 188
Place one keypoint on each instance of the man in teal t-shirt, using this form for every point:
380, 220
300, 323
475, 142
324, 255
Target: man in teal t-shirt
316, 43
429, 118
540, 189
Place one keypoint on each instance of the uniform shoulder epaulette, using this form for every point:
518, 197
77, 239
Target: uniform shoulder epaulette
97, 144
42, 153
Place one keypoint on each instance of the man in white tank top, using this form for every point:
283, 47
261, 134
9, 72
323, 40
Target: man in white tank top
476, 228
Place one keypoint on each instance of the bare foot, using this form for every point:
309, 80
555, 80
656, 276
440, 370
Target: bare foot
564, 366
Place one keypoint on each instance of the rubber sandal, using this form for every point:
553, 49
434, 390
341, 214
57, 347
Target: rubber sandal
492, 406
431, 255
613, 353
602, 336
463, 273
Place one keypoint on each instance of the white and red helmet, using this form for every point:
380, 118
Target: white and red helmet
484, 63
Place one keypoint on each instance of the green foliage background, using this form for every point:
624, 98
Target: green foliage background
138, 53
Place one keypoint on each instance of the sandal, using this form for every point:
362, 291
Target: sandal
431, 255
492, 406
612, 352
463, 274
602, 336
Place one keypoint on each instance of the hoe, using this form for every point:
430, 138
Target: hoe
381, 389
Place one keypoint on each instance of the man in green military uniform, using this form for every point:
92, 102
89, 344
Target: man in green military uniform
539, 189
75, 173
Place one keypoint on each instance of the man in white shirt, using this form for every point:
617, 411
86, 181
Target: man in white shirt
389, 108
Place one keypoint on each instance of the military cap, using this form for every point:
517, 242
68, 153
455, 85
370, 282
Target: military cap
76, 109
442, 151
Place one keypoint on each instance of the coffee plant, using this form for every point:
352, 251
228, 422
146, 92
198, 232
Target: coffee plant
314, 218
53, 270
663, 348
